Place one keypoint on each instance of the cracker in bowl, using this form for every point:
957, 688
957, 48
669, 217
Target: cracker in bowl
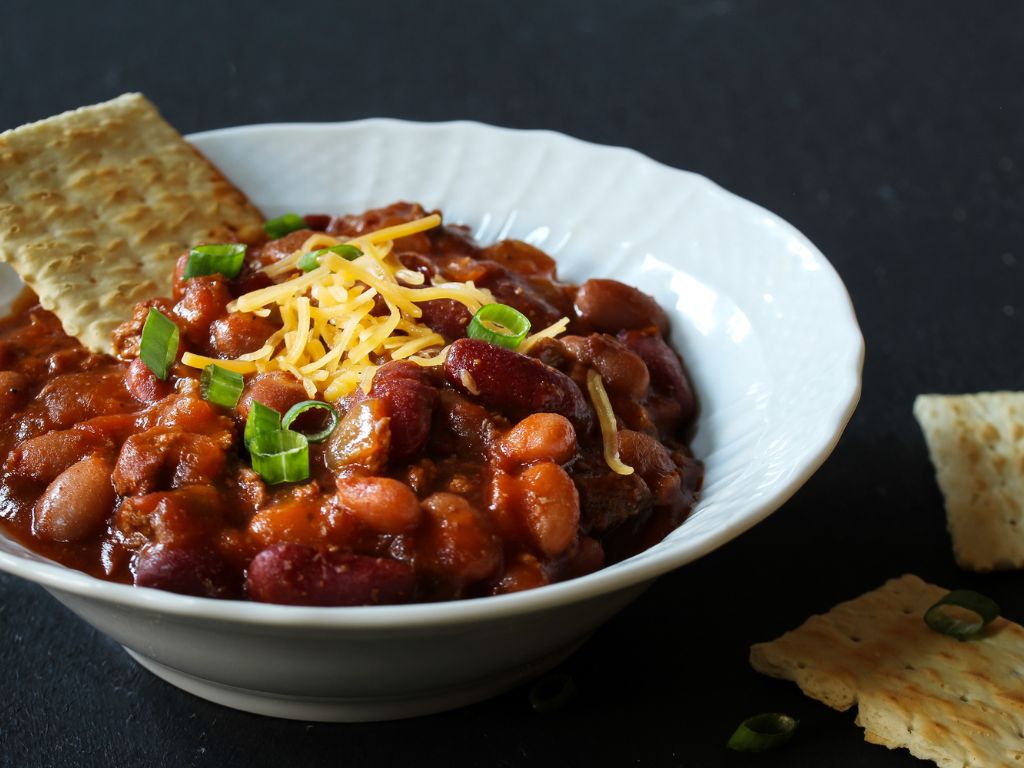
956, 703
96, 204
976, 443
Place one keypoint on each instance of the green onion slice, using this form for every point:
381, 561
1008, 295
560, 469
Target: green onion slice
763, 732
261, 420
221, 386
499, 324
962, 614
282, 225
310, 261
159, 345
223, 259
293, 412
281, 456
551, 693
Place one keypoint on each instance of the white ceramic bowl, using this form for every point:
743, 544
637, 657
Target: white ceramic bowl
763, 321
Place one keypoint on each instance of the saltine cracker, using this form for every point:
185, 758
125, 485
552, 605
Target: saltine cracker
96, 204
976, 443
956, 703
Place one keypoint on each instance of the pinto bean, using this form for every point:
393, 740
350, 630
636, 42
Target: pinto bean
238, 333
202, 301
193, 571
514, 384
409, 395
77, 502
299, 521
524, 572
15, 390
456, 544
143, 384
540, 437
621, 369
666, 369
551, 507
75, 397
158, 459
611, 306
381, 504
43, 458
296, 575
361, 439
275, 389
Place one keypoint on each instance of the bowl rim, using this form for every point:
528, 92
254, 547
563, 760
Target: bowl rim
632, 572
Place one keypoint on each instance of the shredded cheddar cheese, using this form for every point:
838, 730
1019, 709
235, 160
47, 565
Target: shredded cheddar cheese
606, 418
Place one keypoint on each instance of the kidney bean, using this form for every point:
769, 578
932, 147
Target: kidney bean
362, 438
317, 221
446, 316
155, 460
143, 384
44, 457
77, 502
456, 543
667, 375
275, 389
292, 574
607, 500
201, 571
522, 258
409, 395
621, 369
238, 333
611, 306
514, 384
653, 462
15, 390
381, 504
275, 250
540, 437
551, 507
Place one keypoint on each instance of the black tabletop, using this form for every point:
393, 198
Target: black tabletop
892, 134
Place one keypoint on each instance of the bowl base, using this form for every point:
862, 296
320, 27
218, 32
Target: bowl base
352, 710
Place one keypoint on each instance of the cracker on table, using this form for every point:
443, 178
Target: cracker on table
976, 443
956, 703
96, 205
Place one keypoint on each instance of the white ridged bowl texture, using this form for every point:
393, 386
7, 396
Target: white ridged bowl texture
763, 321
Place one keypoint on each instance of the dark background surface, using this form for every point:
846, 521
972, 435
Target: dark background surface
892, 134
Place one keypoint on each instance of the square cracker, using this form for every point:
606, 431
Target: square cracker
957, 703
976, 443
96, 204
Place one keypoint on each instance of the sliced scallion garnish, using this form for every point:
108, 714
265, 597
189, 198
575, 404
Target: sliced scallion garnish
261, 419
552, 693
280, 456
159, 345
310, 261
221, 386
292, 413
763, 732
283, 225
223, 259
499, 324
962, 614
